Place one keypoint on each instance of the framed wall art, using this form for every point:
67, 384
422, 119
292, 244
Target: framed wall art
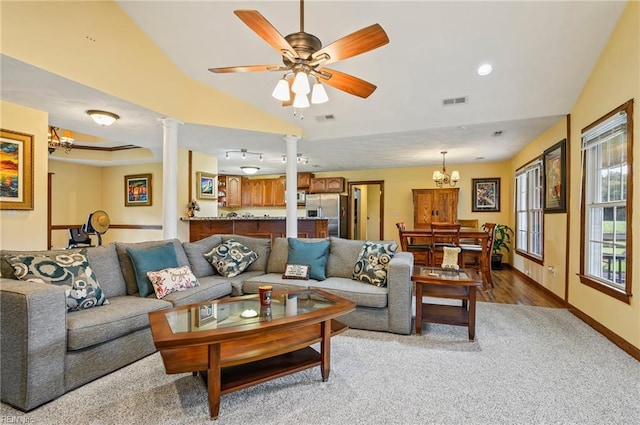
16, 173
555, 178
485, 195
207, 187
137, 190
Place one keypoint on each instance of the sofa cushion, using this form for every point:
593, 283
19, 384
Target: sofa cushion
124, 315
363, 294
373, 262
231, 258
210, 288
151, 259
261, 246
70, 270
343, 255
278, 257
127, 267
195, 251
251, 285
312, 253
167, 281
237, 282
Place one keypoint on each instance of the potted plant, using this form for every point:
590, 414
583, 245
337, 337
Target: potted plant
501, 240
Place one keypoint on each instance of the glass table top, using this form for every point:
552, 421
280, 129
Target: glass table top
445, 274
243, 311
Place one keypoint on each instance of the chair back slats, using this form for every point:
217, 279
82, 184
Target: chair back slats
445, 234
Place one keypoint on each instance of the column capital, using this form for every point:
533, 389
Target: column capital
169, 122
290, 138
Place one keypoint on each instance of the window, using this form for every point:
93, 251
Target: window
529, 225
606, 204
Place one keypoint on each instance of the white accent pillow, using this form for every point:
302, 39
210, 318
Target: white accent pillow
167, 281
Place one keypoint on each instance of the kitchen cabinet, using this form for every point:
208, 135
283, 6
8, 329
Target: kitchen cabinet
229, 191
434, 206
268, 193
257, 186
201, 227
279, 186
246, 192
304, 180
326, 185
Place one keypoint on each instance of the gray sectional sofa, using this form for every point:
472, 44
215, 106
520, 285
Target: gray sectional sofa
47, 351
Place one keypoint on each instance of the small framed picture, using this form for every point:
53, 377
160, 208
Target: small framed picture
207, 188
555, 198
16, 174
486, 195
296, 271
137, 190
206, 313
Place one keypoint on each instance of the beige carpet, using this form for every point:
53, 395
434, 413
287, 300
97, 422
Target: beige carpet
529, 365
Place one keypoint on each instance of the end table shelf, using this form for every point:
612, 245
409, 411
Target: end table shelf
457, 285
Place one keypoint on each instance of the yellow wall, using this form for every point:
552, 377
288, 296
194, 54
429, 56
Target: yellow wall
104, 49
398, 197
555, 225
27, 229
73, 197
615, 79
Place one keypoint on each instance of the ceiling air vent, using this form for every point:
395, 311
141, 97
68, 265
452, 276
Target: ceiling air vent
455, 101
321, 118
497, 133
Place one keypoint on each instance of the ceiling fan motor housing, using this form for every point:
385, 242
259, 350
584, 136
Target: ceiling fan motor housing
305, 45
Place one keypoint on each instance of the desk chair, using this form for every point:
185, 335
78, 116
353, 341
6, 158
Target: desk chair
78, 238
443, 234
409, 242
479, 259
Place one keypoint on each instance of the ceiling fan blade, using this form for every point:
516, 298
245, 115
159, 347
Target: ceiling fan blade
259, 24
248, 68
345, 82
358, 42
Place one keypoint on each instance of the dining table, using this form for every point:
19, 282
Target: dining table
422, 236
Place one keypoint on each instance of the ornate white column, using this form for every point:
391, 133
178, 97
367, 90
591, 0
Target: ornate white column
169, 177
292, 185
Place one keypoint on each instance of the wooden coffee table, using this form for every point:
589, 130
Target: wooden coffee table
452, 284
235, 343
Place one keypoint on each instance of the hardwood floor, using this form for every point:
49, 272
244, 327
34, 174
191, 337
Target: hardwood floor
511, 288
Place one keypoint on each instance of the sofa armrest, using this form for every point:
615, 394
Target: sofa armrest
400, 292
32, 342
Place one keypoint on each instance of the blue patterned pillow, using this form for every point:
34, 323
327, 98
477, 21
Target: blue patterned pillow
373, 261
69, 270
231, 258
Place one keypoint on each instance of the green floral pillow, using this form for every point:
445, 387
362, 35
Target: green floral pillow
70, 270
231, 258
373, 261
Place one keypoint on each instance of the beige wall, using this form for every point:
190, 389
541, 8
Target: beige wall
615, 79
555, 225
27, 229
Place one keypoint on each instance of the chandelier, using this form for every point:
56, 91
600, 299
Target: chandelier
300, 88
441, 177
56, 141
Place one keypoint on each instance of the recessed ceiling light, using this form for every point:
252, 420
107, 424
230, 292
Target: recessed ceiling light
484, 69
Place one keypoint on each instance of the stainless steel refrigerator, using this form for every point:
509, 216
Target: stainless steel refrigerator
333, 207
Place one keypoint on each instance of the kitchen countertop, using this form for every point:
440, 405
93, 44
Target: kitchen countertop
250, 218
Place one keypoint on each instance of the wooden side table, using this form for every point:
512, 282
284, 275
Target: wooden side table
452, 284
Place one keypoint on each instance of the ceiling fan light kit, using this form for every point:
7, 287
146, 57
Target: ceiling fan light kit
303, 54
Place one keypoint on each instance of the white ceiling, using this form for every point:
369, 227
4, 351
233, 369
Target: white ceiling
542, 54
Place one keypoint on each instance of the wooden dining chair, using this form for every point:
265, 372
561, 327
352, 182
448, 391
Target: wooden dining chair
443, 234
414, 242
478, 256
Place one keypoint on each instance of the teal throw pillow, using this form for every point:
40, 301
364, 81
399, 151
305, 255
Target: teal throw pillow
70, 270
311, 253
371, 266
149, 260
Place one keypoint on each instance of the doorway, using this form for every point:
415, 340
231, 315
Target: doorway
366, 212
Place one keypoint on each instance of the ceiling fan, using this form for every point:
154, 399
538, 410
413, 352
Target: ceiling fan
303, 55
